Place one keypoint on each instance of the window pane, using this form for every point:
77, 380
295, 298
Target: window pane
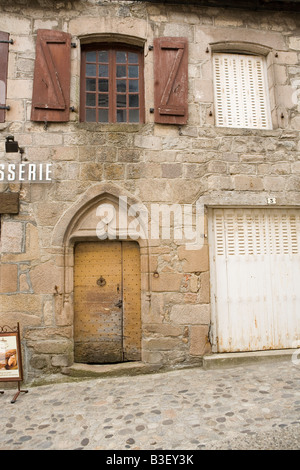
91, 56
121, 57
90, 115
103, 70
133, 101
90, 99
102, 100
121, 115
133, 85
90, 84
134, 115
133, 71
121, 86
91, 70
103, 115
112, 85
121, 71
102, 85
121, 101
133, 58
103, 56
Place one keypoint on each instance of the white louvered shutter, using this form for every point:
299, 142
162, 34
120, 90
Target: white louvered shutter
241, 92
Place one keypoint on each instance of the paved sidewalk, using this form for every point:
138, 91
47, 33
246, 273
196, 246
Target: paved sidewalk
245, 407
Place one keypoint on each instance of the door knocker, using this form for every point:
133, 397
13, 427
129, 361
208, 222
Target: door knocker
101, 281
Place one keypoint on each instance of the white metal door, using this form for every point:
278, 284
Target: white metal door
255, 267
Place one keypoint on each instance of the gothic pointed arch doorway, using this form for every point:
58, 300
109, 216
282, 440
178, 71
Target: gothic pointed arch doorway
102, 296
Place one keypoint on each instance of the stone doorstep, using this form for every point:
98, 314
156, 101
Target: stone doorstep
220, 360
109, 370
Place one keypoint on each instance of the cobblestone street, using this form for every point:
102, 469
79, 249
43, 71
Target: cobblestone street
243, 407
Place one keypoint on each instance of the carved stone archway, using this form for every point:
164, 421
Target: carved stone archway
81, 223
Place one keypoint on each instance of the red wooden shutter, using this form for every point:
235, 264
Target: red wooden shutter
171, 80
3, 72
51, 85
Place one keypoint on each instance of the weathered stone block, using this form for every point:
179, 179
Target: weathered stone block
194, 283
18, 25
190, 314
24, 283
39, 362
89, 23
62, 360
149, 265
47, 213
91, 171
220, 182
44, 24
64, 314
284, 95
229, 19
205, 287
45, 277
196, 170
166, 282
147, 142
274, 183
199, 344
217, 167
11, 237
48, 138
114, 172
129, 155
152, 357
179, 30
104, 154
162, 344
242, 168
17, 110
19, 89
163, 330
51, 334
8, 278
295, 43
248, 183
48, 313
28, 303
32, 244
51, 347
203, 90
155, 314
194, 260
66, 153
171, 170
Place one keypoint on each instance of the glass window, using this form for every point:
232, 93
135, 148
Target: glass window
111, 85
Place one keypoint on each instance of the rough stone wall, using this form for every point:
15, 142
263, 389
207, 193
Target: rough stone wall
154, 163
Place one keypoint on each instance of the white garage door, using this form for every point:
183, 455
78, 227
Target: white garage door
255, 277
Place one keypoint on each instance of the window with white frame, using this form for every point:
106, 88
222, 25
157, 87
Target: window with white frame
241, 91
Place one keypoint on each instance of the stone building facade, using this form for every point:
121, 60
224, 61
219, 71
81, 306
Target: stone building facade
192, 164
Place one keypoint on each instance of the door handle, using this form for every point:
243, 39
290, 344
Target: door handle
101, 281
119, 304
